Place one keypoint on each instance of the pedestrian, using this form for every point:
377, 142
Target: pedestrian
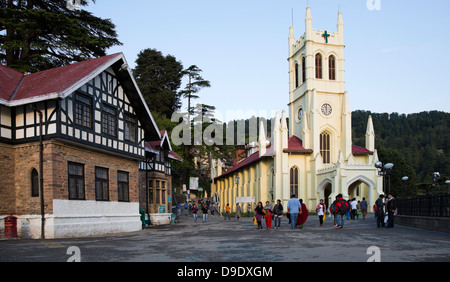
354, 206
186, 208
268, 214
212, 209
380, 211
363, 207
349, 202
321, 210
340, 207
278, 213
302, 216
293, 209
238, 212
205, 212
391, 206
227, 212
194, 211
259, 214
249, 209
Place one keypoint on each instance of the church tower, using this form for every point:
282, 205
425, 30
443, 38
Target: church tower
319, 112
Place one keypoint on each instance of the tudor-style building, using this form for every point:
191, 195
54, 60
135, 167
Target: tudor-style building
95, 124
155, 182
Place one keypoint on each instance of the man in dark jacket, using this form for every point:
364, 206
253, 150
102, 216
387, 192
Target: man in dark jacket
380, 211
391, 206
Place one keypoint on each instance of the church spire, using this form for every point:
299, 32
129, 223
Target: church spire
308, 23
340, 27
370, 135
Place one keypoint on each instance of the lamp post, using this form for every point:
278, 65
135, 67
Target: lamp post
405, 178
436, 176
385, 170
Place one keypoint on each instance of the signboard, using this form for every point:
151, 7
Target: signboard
162, 209
251, 199
184, 187
193, 183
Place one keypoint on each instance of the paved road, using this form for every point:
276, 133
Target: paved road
231, 241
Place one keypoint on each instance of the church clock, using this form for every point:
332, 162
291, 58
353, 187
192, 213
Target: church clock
326, 109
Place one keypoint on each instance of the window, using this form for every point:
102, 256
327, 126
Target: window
318, 66
332, 67
34, 183
303, 69
294, 181
101, 184
123, 186
130, 128
76, 181
83, 110
109, 120
296, 75
325, 147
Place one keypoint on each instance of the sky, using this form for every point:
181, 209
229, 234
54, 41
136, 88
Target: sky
396, 54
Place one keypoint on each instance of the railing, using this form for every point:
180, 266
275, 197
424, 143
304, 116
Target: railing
434, 206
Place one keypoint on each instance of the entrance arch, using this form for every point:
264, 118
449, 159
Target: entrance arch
325, 188
355, 183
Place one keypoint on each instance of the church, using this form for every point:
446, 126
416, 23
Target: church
310, 154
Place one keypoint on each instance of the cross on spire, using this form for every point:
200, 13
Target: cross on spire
326, 35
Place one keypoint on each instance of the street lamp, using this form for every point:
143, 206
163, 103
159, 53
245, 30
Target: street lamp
385, 170
436, 176
405, 178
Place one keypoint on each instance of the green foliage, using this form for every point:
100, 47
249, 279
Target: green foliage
418, 144
159, 78
43, 34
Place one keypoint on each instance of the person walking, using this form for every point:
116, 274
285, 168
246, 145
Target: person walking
268, 214
227, 212
194, 211
341, 207
321, 210
259, 214
238, 212
293, 209
391, 206
363, 207
380, 211
205, 212
249, 209
354, 206
278, 213
212, 209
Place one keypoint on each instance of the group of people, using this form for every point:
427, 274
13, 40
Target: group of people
297, 213
391, 206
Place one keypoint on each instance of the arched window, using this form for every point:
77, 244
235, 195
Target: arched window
319, 66
296, 75
332, 67
294, 181
303, 69
34, 183
325, 147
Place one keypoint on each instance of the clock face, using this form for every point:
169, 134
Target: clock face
300, 114
326, 109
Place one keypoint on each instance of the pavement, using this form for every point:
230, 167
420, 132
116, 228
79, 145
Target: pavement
220, 240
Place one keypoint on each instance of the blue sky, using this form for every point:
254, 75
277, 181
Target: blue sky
395, 58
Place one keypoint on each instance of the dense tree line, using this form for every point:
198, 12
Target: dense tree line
418, 144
